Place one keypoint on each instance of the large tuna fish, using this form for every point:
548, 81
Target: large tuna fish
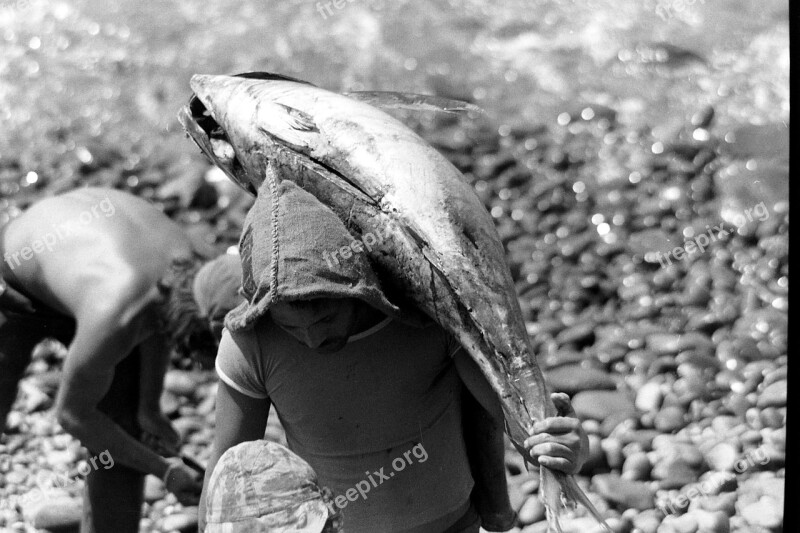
439, 249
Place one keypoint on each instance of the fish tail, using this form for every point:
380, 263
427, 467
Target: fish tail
556, 489
550, 495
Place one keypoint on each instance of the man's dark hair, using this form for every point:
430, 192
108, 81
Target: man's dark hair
187, 330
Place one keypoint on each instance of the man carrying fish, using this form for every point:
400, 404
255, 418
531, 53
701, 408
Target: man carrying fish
439, 254
360, 393
116, 280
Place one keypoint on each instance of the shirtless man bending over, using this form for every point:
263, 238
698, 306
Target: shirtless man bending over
116, 280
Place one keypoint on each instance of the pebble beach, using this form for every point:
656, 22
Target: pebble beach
635, 158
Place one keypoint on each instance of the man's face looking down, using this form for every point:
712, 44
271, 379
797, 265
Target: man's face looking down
322, 324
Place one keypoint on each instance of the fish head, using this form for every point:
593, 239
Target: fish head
226, 116
213, 141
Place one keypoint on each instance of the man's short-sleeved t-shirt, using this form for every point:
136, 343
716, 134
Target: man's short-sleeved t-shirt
382, 415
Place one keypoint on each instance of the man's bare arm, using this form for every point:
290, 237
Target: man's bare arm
99, 344
239, 418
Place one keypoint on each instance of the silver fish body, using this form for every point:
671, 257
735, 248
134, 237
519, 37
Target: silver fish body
440, 250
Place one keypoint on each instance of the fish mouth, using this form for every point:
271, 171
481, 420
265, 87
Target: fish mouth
213, 141
199, 123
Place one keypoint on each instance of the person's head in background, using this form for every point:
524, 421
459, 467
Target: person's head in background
197, 297
261, 486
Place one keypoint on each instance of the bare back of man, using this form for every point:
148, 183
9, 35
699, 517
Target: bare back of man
95, 257
100, 239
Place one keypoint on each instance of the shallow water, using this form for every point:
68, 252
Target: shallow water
79, 78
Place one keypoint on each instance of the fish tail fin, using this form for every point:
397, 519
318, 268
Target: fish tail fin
557, 488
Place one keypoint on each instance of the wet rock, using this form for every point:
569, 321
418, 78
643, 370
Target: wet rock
16, 477
711, 522
585, 524
563, 357
649, 396
538, 527
766, 513
724, 502
154, 489
775, 375
184, 521
643, 438
14, 422
43, 426
572, 379
62, 514
169, 403
582, 333
663, 365
596, 459
722, 456
640, 360
48, 381
637, 467
686, 523
776, 437
49, 350
774, 457
698, 359
703, 118
664, 343
698, 520
673, 473
33, 399
774, 395
750, 437
647, 521
753, 141
722, 424
670, 419
181, 383
737, 403
185, 426
207, 406
625, 493
600, 405
747, 186
531, 511
518, 489
612, 448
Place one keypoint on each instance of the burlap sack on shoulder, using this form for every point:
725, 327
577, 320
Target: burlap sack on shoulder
285, 244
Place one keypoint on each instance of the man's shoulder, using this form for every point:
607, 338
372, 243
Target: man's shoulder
414, 332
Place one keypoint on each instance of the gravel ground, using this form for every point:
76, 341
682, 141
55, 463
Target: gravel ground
650, 256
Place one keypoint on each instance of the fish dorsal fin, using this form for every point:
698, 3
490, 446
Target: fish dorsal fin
270, 76
414, 102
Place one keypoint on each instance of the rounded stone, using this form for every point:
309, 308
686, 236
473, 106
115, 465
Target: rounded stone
532, 510
649, 397
722, 456
670, 419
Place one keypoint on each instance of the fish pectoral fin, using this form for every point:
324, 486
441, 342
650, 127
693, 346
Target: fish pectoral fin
414, 102
285, 123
